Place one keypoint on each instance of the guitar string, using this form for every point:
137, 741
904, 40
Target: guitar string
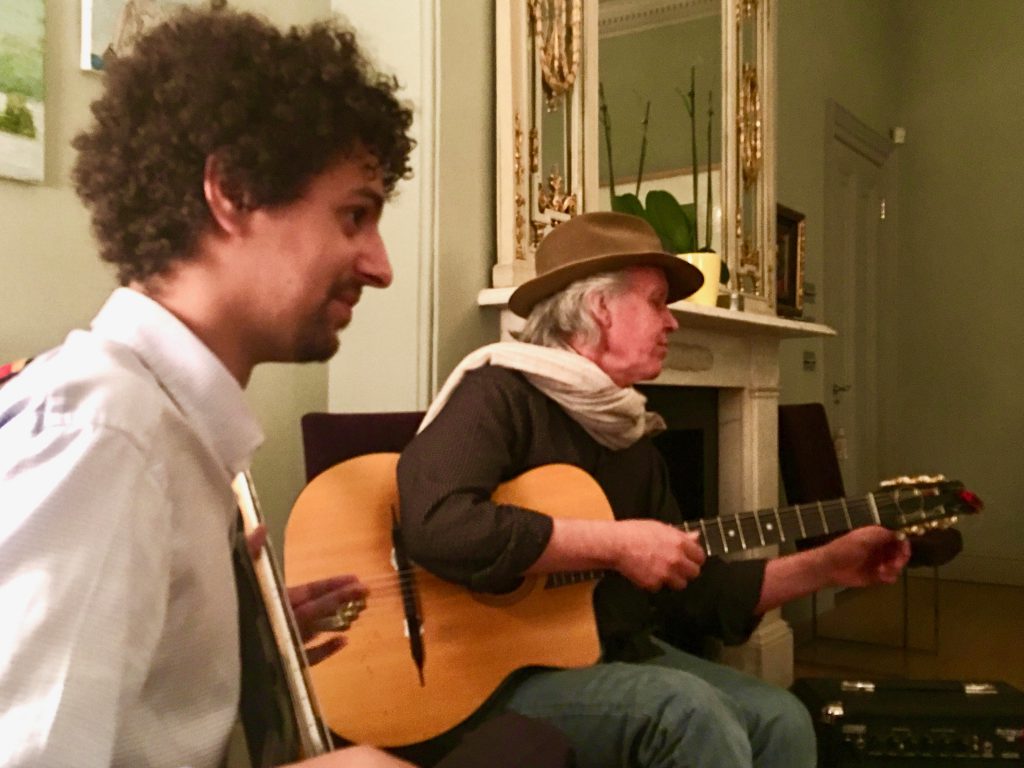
385, 586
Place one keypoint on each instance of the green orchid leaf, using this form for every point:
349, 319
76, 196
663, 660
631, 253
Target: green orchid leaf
628, 203
724, 273
674, 223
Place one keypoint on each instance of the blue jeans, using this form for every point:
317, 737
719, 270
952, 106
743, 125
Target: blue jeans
671, 711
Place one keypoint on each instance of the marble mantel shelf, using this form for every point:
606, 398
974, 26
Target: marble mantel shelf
728, 321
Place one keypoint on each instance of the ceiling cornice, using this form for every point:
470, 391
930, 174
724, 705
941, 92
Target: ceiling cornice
620, 17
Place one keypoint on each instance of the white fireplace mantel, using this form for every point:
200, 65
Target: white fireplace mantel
736, 353
699, 317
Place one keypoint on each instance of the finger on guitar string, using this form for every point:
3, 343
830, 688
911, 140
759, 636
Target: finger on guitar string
350, 586
653, 555
339, 598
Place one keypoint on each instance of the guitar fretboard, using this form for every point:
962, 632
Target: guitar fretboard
777, 525
733, 533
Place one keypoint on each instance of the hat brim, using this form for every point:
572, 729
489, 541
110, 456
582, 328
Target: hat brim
683, 278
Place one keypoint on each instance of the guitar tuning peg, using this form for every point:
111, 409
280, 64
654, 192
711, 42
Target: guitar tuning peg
901, 480
907, 480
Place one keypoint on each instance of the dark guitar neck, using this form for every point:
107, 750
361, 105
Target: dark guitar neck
748, 530
733, 533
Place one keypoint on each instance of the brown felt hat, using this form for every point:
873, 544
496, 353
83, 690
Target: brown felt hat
600, 242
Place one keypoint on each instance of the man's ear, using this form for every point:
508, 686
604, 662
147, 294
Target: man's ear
597, 304
225, 211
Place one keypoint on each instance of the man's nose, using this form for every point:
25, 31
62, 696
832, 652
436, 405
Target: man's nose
670, 320
374, 266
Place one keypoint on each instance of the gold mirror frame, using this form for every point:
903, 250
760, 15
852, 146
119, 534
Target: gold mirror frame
546, 56
531, 200
749, 85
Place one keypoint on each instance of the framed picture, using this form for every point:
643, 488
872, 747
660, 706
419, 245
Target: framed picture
22, 119
111, 27
789, 271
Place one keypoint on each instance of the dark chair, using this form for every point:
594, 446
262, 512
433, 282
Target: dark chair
810, 472
331, 438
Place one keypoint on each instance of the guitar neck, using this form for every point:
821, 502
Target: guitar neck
313, 737
727, 534
748, 530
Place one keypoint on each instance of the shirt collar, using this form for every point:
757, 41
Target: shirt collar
211, 399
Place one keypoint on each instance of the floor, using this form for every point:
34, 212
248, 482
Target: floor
980, 634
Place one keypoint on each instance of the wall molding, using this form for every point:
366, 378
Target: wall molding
623, 17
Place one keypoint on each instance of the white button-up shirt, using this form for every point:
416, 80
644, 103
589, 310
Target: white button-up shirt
118, 636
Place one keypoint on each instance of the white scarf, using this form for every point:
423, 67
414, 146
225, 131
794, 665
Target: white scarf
614, 416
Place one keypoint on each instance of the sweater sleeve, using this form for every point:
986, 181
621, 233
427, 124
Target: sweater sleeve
446, 477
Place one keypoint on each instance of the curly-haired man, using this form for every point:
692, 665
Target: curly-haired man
236, 175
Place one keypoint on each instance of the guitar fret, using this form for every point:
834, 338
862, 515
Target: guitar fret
846, 511
750, 529
721, 531
704, 535
782, 533
760, 530
873, 509
739, 526
833, 516
800, 519
771, 533
821, 511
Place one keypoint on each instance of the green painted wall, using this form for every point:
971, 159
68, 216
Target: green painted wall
947, 71
960, 338
827, 49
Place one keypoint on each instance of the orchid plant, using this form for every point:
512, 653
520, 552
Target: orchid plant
675, 223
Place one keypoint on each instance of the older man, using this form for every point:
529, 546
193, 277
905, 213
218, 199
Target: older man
597, 322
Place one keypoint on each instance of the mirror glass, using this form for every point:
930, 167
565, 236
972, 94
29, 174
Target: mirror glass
650, 77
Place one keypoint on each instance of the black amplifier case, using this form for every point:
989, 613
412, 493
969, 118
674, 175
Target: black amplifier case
914, 722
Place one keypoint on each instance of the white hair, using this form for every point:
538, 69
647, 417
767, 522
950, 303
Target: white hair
558, 319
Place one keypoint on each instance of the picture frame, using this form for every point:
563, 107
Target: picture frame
22, 90
791, 244
111, 27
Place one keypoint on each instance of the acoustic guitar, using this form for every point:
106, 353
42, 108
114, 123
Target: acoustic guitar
426, 653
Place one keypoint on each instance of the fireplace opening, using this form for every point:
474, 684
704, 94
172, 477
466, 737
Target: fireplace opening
689, 445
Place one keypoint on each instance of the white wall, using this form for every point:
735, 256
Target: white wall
386, 355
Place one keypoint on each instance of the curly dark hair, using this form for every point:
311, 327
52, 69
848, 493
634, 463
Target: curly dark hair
274, 108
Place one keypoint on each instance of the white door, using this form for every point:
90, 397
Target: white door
858, 269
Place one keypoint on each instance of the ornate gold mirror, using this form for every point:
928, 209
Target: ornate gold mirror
546, 54
554, 60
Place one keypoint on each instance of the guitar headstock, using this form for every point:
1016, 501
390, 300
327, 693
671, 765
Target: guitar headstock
916, 504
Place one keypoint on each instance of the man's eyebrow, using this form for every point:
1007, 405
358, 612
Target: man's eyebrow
371, 195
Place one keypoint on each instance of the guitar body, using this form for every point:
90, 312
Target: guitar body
370, 691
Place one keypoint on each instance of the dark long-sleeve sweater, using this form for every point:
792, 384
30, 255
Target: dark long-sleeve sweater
495, 427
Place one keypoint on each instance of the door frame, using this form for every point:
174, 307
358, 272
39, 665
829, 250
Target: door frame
845, 131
